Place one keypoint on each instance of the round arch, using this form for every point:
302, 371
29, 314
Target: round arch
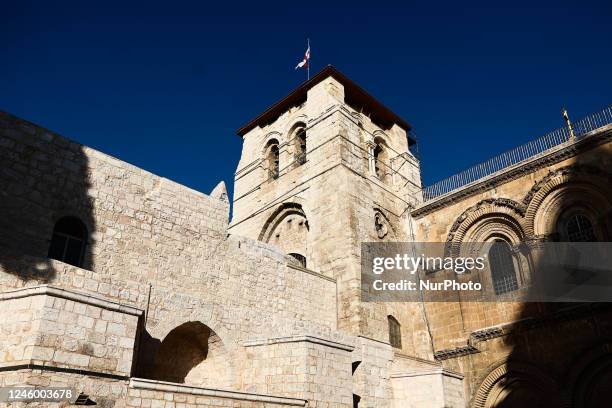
591, 376
518, 384
561, 189
487, 218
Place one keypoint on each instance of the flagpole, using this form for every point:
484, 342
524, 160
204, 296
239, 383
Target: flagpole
309, 58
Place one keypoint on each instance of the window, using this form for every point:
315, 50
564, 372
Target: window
68, 241
502, 267
301, 259
379, 159
378, 152
272, 159
578, 228
395, 334
300, 146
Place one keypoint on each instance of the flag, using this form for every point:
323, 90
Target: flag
304, 62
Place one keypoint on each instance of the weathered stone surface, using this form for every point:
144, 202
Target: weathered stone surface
167, 289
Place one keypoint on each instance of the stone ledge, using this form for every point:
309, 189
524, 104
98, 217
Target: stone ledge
417, 359
70, 295
40, 365
144, 384
310, 271
298, 339
436, 371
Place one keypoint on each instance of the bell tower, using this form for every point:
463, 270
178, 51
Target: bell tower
323, 170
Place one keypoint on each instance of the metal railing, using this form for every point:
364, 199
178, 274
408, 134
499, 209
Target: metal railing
518, 154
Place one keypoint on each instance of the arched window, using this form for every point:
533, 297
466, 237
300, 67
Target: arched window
578, 228
272, 159
380, 159
502, 267
378, 153
395, 333
300, 146
301, 259
68, 241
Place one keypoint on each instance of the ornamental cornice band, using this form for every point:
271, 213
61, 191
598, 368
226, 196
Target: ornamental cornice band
456, 352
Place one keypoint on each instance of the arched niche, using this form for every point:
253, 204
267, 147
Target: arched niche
192, 353
287, 228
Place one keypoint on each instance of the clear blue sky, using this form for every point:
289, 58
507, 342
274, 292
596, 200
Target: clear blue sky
161, 85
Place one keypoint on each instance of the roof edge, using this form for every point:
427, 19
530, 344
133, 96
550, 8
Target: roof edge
379, 112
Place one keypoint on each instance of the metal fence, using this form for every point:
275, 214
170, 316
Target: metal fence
518, 154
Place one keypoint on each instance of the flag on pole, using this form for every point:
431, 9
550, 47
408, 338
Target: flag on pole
304, 62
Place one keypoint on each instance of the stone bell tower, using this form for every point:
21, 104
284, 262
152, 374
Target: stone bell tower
323, 170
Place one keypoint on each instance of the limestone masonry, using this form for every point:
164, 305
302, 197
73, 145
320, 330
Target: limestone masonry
139, 292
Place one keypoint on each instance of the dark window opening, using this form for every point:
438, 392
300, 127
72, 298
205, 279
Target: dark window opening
395, 334
68, 241
579, 229
502, 267
300, 142
377, 164
301, 259
273, 160
356, 400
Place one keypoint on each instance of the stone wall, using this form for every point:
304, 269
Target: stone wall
49, 326
305, 367
152, 245
335, 189
523, 203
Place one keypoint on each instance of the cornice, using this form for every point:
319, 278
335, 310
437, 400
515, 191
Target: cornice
537, 162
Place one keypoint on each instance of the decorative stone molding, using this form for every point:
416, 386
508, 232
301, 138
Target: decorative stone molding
511, 211
493, 382
583, 174
573, 312
486, 334
144, 384
456, 352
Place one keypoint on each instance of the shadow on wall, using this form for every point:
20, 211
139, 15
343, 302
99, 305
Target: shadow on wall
561, 353
44, 203
191, 353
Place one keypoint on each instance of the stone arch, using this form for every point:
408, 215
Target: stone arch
559, 190
590, 377
194, 354
294, 121
487, 218
287, 228
382, 158
271, 158
515, 382
382, 135
296, 137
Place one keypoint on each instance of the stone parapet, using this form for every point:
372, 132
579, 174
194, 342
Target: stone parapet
47, 326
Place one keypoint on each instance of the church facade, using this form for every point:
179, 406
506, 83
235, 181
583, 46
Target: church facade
136, 291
